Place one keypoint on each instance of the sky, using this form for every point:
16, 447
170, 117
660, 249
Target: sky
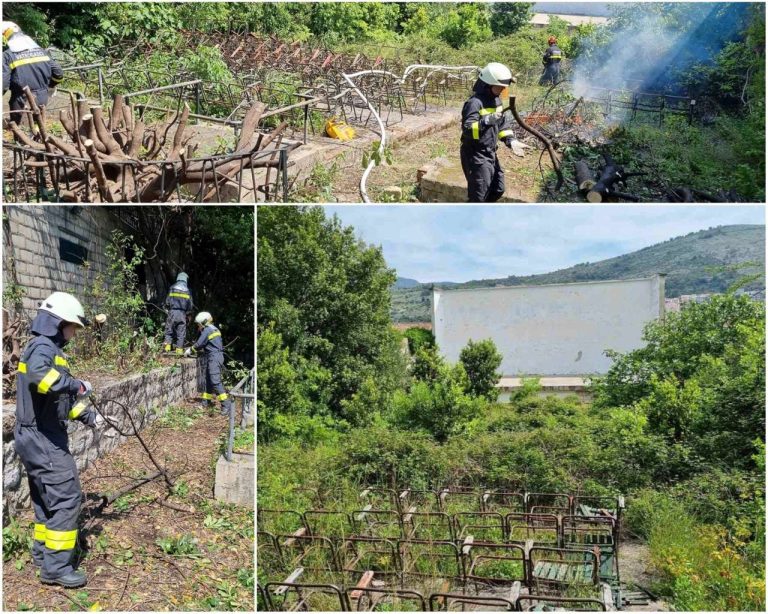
461, 243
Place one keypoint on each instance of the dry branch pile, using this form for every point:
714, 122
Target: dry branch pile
115, 157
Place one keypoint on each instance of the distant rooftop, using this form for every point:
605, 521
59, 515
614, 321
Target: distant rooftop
601, 9
541, 20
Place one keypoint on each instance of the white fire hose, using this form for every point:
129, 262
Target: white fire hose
409, 69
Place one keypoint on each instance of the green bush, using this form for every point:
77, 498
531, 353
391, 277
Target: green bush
418, 338
427, 364
440, 406
480, 360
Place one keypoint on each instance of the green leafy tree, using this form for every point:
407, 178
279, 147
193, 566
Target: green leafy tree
700, 380
481, 359
327, 294
441, 406
509, 17
426, 364
466, 25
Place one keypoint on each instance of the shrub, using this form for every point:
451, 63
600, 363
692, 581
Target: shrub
480, 360
440, 406
418, 338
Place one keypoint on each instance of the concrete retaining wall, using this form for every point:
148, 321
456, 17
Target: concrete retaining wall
145, 394
549, 330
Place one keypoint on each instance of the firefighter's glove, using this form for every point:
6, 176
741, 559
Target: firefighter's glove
507, 141
85, 389
492, 119
187, 352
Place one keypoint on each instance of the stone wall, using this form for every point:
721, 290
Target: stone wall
31, 243
442, 181
145, 394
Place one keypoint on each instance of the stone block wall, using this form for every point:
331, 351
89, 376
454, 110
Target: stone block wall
32, 248
145, 394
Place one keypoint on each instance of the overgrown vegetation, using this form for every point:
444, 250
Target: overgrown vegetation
678, 426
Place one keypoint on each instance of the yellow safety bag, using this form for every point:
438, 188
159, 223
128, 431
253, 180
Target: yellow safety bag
339, 130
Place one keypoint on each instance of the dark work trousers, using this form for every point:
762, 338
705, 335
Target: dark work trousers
485, 177
551, 74
214, 364
19, 102
56, 495
176, 328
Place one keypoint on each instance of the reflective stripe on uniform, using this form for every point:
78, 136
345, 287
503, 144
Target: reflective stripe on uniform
214, 334
555, 57
48, 381
505, 133
25, 61
60, 540
39, 532
207, 396
57, 79
223, 396
78, 409
22, 367
60, 361
491, 110
476, 130
178, 295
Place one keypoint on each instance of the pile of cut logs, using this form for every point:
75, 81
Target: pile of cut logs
115, 157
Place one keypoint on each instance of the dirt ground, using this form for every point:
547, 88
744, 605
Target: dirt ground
408, 158
634, 560
141, 555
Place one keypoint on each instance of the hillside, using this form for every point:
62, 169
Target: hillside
690, 262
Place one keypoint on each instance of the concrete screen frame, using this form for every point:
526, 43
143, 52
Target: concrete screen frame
549, 330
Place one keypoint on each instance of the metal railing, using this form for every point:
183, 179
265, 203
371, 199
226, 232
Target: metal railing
245, 393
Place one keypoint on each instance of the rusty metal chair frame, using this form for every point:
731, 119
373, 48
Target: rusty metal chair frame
478, 554
536, 527
367, 597
301, 598
378, 523
483, 526
442, 602
354, 550
263, 516
510, 502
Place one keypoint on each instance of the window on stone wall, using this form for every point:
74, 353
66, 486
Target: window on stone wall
72, 252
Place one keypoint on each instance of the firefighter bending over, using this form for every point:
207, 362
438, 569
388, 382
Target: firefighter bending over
210, 343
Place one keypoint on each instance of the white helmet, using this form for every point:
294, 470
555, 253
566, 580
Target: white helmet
203, 318
8, 29
496, 73
66, 307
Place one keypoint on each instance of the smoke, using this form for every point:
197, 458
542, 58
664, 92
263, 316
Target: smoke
648, 48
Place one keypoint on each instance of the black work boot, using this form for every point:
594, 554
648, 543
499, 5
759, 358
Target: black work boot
73, 579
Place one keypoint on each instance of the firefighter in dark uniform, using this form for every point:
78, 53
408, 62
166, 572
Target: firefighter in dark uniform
552, 58
47, 396
179, 304
25, 63
483, 124
210, 344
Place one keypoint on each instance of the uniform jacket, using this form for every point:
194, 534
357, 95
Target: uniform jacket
46, 391
179, 298
32, 67
210, 342
480, 138
553, 55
